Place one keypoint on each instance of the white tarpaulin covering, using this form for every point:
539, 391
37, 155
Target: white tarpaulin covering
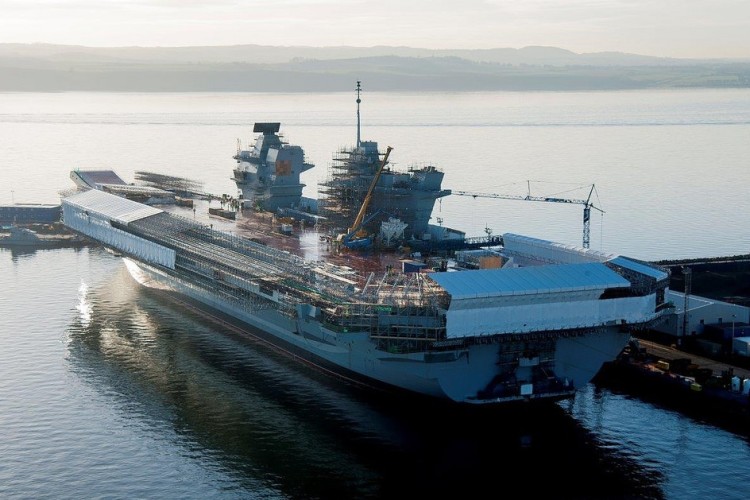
533, 280
550, 251
90, 213
538, 298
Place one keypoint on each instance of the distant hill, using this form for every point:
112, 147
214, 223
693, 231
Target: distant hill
42, 67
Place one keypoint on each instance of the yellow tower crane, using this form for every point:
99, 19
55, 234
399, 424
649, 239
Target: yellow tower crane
353, 238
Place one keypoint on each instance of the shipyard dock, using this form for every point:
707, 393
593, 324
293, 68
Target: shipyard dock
671, 354
700, 387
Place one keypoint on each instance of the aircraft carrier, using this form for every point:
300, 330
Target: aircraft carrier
538, 326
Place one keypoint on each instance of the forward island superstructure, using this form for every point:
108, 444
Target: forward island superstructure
537, 327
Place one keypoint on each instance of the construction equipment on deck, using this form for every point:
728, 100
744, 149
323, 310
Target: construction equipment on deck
355, 237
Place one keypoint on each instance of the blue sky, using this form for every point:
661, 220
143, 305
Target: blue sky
670, 28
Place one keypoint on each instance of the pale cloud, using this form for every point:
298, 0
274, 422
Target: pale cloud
678, 28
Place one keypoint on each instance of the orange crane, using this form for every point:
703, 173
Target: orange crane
351, 238
587, 205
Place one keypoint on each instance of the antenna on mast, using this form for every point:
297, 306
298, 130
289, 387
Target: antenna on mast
359, 89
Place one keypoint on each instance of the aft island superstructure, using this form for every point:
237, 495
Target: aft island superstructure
399, 202
538, 327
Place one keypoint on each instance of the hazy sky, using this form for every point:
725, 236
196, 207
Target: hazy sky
673, 28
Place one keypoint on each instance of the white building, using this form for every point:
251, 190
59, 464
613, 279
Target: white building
701, 311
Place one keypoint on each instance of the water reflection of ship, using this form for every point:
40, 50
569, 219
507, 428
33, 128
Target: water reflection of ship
280, 430
234, 399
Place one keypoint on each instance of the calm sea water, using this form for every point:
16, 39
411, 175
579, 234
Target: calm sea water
107, 390
670, 168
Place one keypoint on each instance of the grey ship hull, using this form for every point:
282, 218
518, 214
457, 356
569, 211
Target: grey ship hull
455, 375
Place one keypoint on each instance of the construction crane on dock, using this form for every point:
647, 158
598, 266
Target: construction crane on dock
587, 204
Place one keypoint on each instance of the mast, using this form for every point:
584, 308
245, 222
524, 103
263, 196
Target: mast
359, 89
